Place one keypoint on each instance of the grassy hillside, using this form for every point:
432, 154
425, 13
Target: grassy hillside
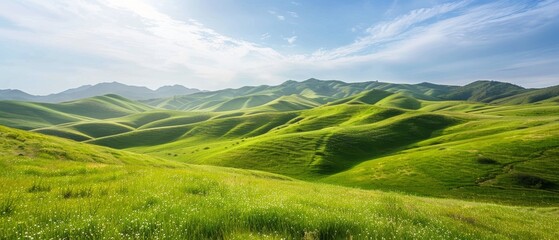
64, 133
27, 115
432, 151
316, 92
195, 126
366, 97
101, 107
400, 101
56, 188
501, 160
334, 132
312, 91
375, 139
532, 96
484, 91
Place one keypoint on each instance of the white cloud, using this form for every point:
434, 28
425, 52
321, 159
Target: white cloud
137, 35
135, 32
293, 14
265, 36
388, 31
278, 16
291, 40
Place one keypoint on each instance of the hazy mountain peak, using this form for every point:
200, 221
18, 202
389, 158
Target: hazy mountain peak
14, 94
174, 87
312, 80
484, 91
492, 83
99, 89
289, 82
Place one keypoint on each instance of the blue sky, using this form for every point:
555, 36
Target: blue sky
49, 46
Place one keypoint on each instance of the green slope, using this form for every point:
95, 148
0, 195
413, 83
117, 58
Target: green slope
193, 127
64, 133
92, 129
399, 101
365, 97
32, 153
26, 115
341, 143
532, 96
287, 103
313, 91
140, 119
484, 91
327, 139
316, 92
316, 153
338, 133
502, 160
239, 103
59, 189
101, 107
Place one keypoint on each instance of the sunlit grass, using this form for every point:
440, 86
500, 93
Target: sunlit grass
206, 202
93, 192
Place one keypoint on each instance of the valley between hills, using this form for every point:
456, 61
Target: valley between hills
317, 159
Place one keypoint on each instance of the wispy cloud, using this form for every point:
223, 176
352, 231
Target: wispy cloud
293, 14
278, 16
291, 40
389, 31
439, 42
134, 32
455, 32
265, 36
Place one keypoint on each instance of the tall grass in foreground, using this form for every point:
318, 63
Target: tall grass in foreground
132, 202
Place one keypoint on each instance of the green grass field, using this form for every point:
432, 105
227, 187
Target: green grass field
292, 161
55, 188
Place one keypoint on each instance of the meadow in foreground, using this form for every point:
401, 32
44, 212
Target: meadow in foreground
55, 188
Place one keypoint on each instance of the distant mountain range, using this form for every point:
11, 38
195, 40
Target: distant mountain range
127, 91
301, 95
313, 92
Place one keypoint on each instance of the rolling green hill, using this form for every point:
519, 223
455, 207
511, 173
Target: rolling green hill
316, 92
535, 95
28, 115
311, 92
335, 132
102, 107
484, 91
441, 152
57, 188
508, 159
